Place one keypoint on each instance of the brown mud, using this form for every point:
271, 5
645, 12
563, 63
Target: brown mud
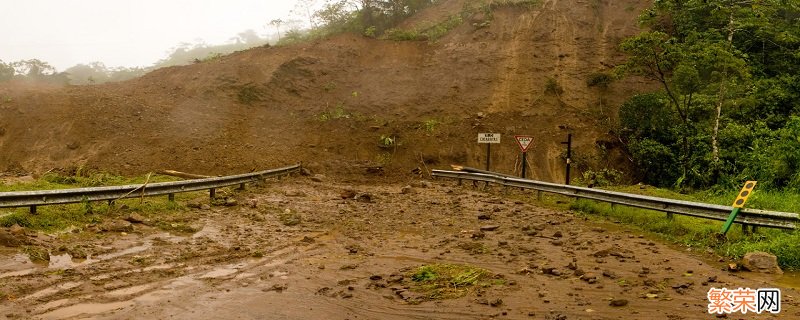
351, 259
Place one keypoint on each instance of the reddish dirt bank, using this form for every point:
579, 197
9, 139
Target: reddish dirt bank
351, 258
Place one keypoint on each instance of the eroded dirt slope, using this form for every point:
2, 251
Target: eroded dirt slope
328, 103
352, 258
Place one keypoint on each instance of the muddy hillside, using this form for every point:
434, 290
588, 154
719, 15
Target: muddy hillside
347, 102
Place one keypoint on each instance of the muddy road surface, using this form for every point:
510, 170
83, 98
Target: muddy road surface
300, 249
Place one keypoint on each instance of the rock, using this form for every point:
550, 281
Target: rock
490, 227
231, 202
305, 172
294, 193
17, 230
761, 262
733, 267
318, 178
205, 207
484, 216
194, 204
557, 242
276, 287
422, 184
364, 197
557, 234
618, 303
395, 278
348, 193
117, 226
496, 302
135, 218
407, 190
7, 239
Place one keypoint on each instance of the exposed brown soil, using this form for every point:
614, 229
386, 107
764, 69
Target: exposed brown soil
350, 259
262, 107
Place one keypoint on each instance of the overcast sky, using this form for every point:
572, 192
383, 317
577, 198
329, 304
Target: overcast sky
124, 32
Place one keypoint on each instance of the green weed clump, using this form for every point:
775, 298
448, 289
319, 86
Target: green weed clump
449, 281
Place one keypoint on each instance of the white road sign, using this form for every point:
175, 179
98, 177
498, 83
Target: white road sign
488, 138
524, 142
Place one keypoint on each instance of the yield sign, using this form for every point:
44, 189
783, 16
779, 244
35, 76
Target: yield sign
524, 142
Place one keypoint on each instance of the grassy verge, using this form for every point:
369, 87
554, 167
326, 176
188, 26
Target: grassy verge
62, 217
701, 233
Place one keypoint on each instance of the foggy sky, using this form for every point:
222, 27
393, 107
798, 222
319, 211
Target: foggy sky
124, 32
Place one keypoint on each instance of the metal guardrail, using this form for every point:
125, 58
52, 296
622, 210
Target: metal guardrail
33, 199
753, 217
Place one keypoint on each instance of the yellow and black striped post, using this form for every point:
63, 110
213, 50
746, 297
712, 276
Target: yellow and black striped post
738, 204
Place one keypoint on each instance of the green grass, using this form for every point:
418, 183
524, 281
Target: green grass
702, 233
60, 217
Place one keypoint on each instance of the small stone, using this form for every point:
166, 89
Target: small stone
375, 277
557, 234
231, 202
618, 302
407, 190
484, 216
318, 178
557, 242
205, 207
16, 230
733, 267
491, 227
135, 218
496, 302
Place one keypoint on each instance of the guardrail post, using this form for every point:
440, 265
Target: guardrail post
33, 209
670, 216
745, 230
242, 186
171, 197
539, 195
460, 181
212, 193
110, 203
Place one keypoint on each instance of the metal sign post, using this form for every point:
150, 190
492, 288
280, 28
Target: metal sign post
488, 139
524, 143
569, 155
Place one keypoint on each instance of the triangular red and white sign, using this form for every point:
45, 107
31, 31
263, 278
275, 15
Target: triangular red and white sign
524, 142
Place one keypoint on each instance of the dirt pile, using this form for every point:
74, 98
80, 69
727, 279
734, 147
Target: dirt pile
346, 103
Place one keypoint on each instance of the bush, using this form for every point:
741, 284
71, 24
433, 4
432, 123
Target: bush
599, 79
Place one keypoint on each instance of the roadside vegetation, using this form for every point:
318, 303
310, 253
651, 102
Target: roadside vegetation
700, 235
57, 218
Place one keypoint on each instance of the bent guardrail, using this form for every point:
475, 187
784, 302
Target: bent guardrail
753, 217
33, 199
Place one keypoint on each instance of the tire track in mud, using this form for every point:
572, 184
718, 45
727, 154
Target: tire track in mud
352, 259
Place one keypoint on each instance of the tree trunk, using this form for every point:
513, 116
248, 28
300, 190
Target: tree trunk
720, 102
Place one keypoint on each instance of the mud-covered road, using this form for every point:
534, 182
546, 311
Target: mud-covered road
351, 258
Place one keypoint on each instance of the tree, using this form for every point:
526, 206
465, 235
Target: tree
6, 71
277, 24
34, 68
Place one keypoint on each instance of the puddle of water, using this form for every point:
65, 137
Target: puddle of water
63, 261
86, 309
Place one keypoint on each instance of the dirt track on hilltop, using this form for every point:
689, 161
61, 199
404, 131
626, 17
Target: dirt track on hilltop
351, 258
